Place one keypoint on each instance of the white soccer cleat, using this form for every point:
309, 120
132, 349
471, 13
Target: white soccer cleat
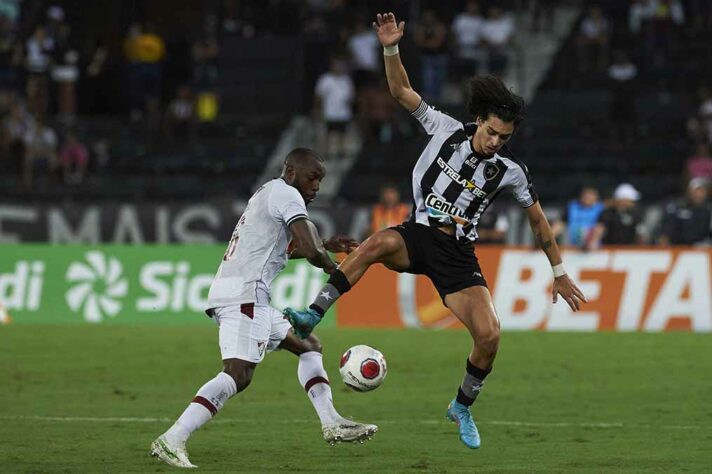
348, 431
173, 454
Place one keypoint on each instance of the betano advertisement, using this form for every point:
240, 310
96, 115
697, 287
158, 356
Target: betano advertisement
640, 289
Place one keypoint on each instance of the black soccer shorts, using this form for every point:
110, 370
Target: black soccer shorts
450, 263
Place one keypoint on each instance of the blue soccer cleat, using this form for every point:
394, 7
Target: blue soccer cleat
303, 322
461, 415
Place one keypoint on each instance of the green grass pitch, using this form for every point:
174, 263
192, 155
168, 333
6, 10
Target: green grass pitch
92, 398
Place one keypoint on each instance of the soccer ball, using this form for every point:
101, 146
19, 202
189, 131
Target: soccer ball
363, 368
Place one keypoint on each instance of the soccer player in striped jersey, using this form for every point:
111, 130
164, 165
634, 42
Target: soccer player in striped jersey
238, 301
460, 172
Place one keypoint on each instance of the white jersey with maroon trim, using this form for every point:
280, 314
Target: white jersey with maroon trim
257, 250
453, 184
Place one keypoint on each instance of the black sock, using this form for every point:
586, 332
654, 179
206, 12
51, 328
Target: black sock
336, 285
471, 384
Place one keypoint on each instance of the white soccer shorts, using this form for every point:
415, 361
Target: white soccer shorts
249, 331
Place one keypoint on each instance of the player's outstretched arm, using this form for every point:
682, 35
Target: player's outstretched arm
563, 285
336, 244
310, 245
390, 33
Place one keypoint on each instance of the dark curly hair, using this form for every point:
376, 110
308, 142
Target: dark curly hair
487, 95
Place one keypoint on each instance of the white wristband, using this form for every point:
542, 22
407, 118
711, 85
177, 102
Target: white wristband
390, 50
558, 270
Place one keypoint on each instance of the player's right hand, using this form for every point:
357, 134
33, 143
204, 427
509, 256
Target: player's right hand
389, 31
568, 290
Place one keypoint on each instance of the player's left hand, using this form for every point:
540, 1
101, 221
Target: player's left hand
340, 243
568, 290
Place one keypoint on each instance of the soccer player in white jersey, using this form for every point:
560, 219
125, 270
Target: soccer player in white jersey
461, 170
249, 327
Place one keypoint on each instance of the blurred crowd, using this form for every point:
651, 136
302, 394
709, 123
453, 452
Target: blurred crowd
49, 76
588, 222
447, 45
168, 86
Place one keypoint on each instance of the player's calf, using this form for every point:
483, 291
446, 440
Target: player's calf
312, 344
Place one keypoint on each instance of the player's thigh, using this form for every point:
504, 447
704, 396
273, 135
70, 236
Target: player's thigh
474, 308
244, 331
388, 247
282, 336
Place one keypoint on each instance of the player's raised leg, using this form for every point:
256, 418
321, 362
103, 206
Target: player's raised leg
473, 306
312, 376
386, 246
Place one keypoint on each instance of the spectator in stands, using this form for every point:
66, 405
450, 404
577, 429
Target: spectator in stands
698, 124
180, 114
579, 218
497, 35
543, 12
640, 14
10, 9
668, 17
40, 150
705, 114
38, 52
95, 78
431, 38
205, 53
334, 95
619, 224
700, 164
688, 221
73, 159
55, 22
239, 18
467, 35
364, 49
593, 41
377, 111
622, 74
389, 211
145, 51
100, 150
14, 129
65, 72
492, 227
10, 54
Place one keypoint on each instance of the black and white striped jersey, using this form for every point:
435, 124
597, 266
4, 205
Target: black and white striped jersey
453, 184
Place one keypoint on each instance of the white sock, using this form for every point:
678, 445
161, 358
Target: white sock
210, 398
313, 378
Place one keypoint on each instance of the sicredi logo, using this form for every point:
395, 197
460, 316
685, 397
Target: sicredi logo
96, 286
21, 288
171, 286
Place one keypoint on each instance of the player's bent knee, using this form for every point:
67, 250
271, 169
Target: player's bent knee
488, 340
240, 372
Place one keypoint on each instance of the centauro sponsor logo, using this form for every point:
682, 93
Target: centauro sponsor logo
455, 176
439, 208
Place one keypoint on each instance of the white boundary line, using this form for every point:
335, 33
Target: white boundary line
526, 424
